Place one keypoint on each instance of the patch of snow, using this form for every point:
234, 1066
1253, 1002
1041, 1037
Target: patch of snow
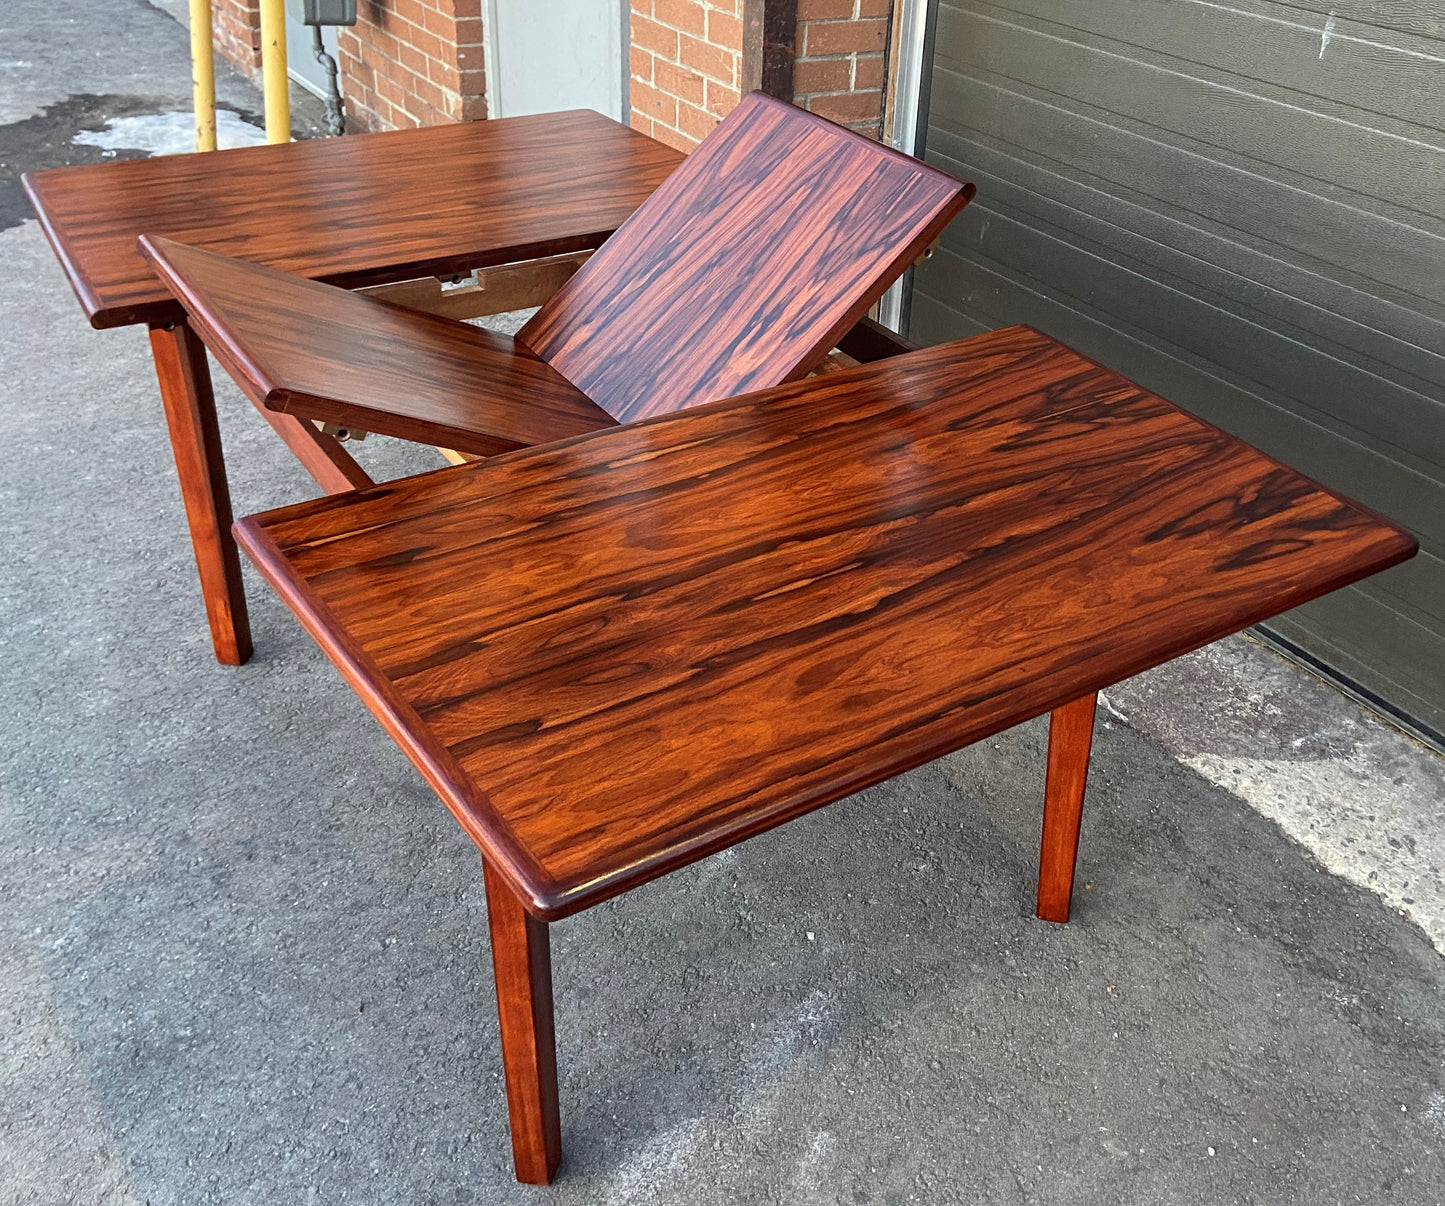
169, 133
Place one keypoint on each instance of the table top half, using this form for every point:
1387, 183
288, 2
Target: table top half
353, 211
617, 654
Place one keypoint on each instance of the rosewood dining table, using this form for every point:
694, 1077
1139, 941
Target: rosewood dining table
614, 655
359, 211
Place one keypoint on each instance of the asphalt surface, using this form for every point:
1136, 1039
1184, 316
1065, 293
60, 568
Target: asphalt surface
245, 948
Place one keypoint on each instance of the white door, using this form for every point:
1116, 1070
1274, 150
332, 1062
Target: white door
562, 54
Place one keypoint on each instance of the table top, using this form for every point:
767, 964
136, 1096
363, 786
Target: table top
617, 654
746, 267
353, 211
311, 350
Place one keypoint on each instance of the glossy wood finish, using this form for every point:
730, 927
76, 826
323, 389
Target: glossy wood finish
358, 210
185, 382
746, 267
1071, 733
522, 965
312, 350
618, 654
743, 270
331, 467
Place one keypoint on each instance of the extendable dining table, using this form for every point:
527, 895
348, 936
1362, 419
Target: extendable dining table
614, 655
407, 206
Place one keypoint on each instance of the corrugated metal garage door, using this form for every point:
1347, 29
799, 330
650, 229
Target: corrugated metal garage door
1242, 206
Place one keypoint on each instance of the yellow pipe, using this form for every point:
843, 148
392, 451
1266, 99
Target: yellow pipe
203, 75
274, 85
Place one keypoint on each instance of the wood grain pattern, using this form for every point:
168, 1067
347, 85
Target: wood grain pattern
312, 350
359, 210
185, 381
746, 267
331, 467
522, 966
615, 655
1071, 733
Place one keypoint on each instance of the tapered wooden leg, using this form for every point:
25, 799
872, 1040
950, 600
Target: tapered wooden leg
185, 381
522, 962
1071, 732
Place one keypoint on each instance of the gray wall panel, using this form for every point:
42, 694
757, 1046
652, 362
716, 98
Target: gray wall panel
1267, 48
1372, 252
1399, 422
1245, 215
1349, 325
1221, 119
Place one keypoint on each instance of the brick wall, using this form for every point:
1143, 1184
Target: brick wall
687, 63
420, 62
404, 62
236, 29
840, 67
413, 63
685, 67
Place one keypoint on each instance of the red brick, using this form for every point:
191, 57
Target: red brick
412, 59
686, 15
868, 71
469, 32
723, 29
847, 106
639, 64
712, 61
443, 72
721, 99
821, 75
429, 93
674, 138
679, 82
845, 37
695, 123
874, 8
413, 11
654, 37
657, 105
824, 10
438, 23
640, 122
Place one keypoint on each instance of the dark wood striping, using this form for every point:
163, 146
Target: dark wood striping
522, 968
746, 266
617, 654
354, 211
185, 384
1071, 733
309, 349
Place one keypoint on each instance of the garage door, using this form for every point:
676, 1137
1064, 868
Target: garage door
1241, 206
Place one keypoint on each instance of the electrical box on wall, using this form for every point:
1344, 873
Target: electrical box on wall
324, 12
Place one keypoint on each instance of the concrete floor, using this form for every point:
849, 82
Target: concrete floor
245, 948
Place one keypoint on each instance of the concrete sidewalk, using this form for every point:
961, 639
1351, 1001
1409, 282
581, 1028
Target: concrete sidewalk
245, 948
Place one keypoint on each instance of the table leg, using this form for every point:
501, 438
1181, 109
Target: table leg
1071, 732
185, 381
522, 963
